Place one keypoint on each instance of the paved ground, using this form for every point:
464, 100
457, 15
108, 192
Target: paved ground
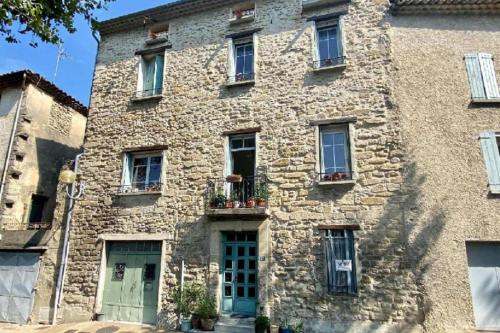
87, 327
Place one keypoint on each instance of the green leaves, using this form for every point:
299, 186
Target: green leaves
45, 18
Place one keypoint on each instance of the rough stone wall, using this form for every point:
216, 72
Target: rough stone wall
8, 104
48, 134
447, 172
197, 108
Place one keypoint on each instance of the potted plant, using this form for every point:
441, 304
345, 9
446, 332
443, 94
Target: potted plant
207, 312
218, 200
186, 300
262, 195
236, 200
250, 202
238, 13
262, 324
298, 328
228, 204
284, 328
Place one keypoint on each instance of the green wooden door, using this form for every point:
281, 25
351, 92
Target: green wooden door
239, 273
131, 285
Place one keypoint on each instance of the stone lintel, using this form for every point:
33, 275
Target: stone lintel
134, 237
339, 227
242, 131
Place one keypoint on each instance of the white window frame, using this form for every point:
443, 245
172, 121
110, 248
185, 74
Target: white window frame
233, 43
130, 185
319, 25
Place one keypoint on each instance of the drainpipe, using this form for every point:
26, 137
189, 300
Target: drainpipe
64, 256
12, 139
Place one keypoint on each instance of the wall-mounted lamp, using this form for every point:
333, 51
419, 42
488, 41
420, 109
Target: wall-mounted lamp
71, 180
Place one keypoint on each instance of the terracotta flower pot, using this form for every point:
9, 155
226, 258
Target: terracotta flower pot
228, 204
196, 322
207, 324
261, 203
250, 203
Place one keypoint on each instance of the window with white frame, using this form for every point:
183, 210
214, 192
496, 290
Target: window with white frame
335, 153
242, 59
142, 172
328, 42
482, 78
490, 142
340, 261
151, 75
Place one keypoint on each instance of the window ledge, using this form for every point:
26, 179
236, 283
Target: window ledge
310, 4
243, 19
240, 83
146, 98
339, 182
127, 194
330, 68
486, 100
159, 40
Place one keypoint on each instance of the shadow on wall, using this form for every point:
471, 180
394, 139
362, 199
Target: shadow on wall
51, 156
392, 249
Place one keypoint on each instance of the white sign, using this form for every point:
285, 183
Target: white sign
343, 265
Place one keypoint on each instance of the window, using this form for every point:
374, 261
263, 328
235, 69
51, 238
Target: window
328, 48
491, 153
335, 159
142, 172
242, 59
340, 261
482, 79
151, 76
38, 203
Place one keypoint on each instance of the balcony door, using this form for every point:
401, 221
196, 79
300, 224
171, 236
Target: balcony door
241, 161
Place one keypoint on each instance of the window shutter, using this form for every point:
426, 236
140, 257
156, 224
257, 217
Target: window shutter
149, 71
255, 53
342, 43
474, 75
228, 165
127, 171
230, 59
158, 83
314, 41
491, 159
488, 74
140, 71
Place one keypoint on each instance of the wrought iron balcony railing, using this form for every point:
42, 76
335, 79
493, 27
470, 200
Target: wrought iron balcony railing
236, 191
241, 77
334, 176
140, 188
148, 93
330, 62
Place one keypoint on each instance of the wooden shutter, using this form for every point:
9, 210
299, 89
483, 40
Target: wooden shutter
474, 75
255, 54
491, 159
341, 42
488, 73
230, 60
148, 73
158, 81
127, 171
314, 44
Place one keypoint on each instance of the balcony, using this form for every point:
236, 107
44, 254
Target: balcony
242, 15
241, 79
329, 64
237, 196
336, 178
313, 4
140, 189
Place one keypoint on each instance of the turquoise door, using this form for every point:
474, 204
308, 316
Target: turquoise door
239, 273
131, 285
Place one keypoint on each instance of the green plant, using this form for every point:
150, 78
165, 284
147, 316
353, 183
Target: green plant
262, 322
187, 298
261, 191
298, 328
206, 307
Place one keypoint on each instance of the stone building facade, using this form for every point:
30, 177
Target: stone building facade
283, 107
454, 216
41, 129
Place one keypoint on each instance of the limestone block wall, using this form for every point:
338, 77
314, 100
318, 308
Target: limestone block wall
197, 108
48, 135
441, 130
8, 104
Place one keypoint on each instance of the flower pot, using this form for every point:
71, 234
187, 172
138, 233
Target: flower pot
261, 203
228, 204
196, 322
263, 330
207, 324
284, 330
251, 203
186, 325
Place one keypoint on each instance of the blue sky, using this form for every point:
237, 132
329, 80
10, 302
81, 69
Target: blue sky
75, 73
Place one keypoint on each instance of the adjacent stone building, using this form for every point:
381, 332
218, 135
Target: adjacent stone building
447, 93
41, 128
